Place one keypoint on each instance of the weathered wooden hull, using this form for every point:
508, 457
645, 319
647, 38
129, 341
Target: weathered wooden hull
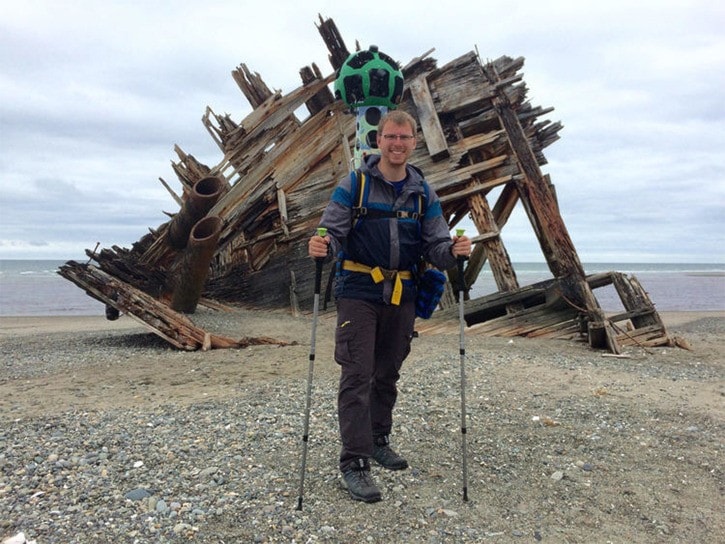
479, 138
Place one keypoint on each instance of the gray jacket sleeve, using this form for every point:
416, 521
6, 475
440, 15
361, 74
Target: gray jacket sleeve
337, 219
437, 241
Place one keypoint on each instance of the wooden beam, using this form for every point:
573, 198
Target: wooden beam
174, 327
176, 197
282, 207
543, 211
435, 139
474, 189
450, 178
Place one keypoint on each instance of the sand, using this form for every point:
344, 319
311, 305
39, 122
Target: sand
566, 443
103, 359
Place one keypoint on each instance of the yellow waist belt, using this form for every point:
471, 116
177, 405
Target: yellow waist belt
379, 274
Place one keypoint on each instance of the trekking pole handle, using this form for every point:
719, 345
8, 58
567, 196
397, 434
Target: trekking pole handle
319, 262
461, 274
461, 259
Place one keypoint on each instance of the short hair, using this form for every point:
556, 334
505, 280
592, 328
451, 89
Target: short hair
398, 117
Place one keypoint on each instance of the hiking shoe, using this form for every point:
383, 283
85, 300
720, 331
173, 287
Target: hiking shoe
360, 483
385, 456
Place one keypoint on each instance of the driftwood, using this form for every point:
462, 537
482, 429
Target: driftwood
174, 327
481, 147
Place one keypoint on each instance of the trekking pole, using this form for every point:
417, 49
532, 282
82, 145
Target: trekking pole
461, 291
313, 337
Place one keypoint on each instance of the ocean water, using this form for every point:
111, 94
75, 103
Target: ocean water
33, 287
672, 287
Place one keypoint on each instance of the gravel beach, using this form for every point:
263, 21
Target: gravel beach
109, 435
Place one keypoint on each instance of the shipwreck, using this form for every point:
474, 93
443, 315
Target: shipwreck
239, 236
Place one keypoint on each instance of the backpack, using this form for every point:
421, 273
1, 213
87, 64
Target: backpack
431, 282
360, 189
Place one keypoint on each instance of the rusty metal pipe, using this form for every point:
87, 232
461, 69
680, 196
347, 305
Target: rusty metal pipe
193, 268
204, 194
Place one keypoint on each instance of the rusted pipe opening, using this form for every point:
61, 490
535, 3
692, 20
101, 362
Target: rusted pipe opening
205, 193
209, 186
207, 228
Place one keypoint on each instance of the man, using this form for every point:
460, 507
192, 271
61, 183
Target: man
375, 291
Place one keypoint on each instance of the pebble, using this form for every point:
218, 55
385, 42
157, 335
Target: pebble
226, 470
138, 494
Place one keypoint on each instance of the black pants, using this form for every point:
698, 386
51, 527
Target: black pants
371, 342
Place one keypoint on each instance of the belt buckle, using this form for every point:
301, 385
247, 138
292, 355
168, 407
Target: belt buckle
388, 274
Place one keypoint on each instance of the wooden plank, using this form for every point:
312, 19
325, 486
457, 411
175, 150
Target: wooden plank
443, 180
632, 314
174, 327
282, 207
485, 237
543, 320
650, 336
601, 279
635, 299
453, 81
474, 189
430, 125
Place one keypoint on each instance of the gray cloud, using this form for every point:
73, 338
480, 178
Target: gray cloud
93, 99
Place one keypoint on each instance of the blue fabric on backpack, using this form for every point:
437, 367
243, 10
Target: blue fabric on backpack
430, 290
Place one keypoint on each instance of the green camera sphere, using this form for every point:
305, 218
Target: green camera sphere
369, 78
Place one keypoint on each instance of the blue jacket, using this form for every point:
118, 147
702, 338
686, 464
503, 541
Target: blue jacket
388, 242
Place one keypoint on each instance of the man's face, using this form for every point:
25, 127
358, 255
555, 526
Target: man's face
396, 143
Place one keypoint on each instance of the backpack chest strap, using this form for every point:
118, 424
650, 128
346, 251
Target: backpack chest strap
374, 213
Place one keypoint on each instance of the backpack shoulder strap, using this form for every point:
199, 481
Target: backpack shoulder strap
360, 191
423, 199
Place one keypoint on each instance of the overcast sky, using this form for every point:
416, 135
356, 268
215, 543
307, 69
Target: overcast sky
94, 96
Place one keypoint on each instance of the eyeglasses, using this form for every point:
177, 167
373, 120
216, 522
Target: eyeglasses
401, 137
